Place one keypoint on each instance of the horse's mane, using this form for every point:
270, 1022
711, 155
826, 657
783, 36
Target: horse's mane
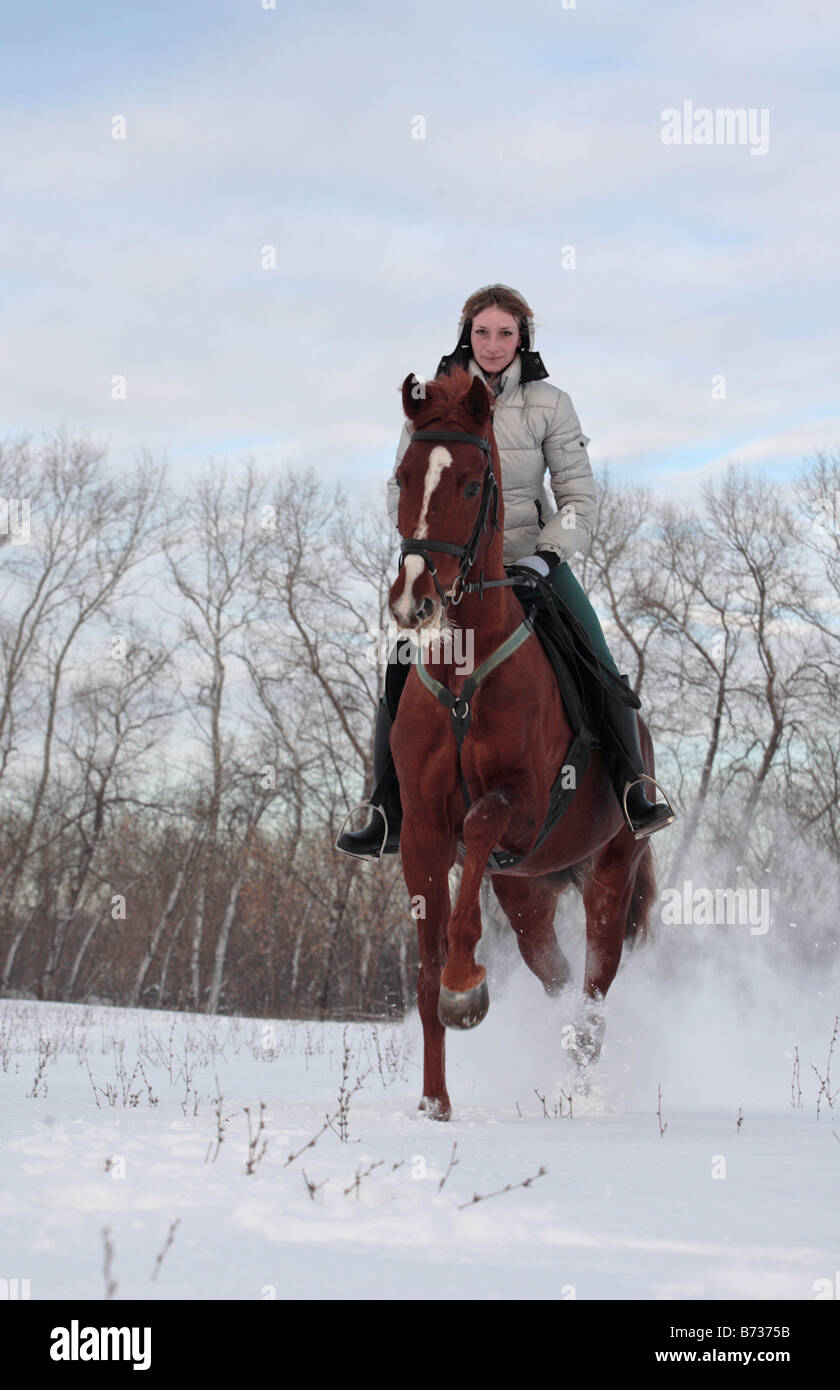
443, 404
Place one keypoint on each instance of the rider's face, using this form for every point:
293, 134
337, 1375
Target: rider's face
494, 338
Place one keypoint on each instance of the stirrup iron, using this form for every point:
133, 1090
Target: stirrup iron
353, 809
642, 834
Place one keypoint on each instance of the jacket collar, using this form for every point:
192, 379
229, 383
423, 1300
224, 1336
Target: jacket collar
507, 383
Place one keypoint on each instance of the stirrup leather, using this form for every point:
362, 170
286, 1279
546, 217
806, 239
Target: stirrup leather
646, 777
353, 809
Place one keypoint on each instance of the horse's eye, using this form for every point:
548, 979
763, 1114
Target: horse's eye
472, 490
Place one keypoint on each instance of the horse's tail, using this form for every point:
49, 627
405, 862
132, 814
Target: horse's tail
641, 901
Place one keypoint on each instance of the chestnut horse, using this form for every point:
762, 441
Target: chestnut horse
517, 739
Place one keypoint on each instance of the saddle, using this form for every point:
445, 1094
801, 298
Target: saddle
582, 678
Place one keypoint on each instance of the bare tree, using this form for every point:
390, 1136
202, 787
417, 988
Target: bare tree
616, 572
90, 531
186, 856
217, 570
120, 725
758, 537
693, 596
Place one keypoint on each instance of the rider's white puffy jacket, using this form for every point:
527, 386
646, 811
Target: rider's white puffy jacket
536, 428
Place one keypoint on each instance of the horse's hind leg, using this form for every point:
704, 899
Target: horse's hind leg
464, 997
529, 905
607, 894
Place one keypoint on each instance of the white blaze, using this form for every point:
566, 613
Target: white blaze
439, 459
413, 565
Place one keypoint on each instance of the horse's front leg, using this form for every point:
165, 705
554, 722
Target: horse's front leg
464, 996
427, 858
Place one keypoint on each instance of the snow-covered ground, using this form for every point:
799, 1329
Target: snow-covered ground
109, 1122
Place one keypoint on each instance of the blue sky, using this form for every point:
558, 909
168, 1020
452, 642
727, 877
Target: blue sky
292, 127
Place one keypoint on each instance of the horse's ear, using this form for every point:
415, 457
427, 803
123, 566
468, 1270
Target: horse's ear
413, 394
477, 401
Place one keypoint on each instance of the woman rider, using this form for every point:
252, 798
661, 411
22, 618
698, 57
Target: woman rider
536, 427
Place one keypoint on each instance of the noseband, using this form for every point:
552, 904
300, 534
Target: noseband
468, 552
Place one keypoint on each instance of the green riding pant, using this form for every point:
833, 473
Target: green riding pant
567, 588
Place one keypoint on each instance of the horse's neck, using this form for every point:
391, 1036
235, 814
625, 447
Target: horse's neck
478, 626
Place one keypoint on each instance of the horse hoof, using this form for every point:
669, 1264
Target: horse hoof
434, 1108
588, 1036
463, 1008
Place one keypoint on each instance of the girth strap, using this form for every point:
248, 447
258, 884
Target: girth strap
565, 785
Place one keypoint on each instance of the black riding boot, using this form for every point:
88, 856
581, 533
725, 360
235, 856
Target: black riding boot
375, 840
622, 756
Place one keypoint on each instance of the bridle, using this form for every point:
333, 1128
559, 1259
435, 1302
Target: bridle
468, 552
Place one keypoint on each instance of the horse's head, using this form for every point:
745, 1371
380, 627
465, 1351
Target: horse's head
450, 498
